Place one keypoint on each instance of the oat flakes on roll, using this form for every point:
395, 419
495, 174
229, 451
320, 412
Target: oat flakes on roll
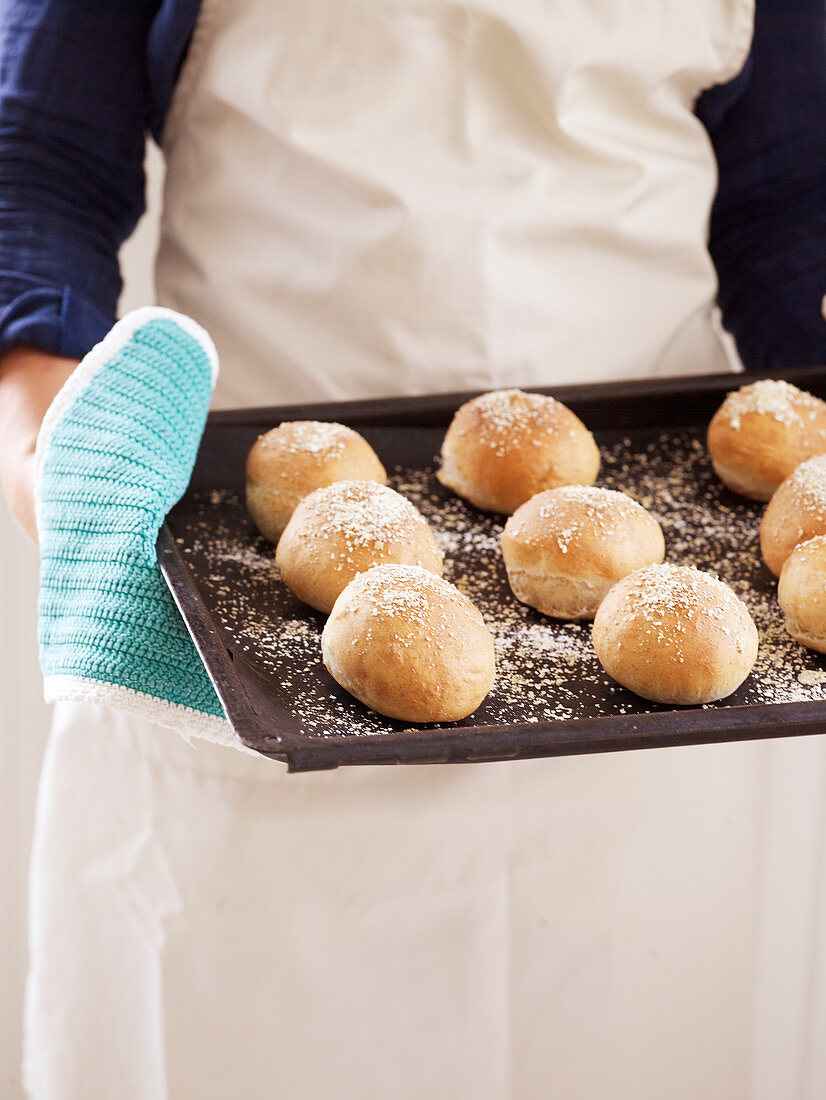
762, 432
505, 446
796, 513
564, 548
801, 593
409, 645
298, 456
674, 634
342, 529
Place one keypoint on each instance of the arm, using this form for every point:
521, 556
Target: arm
768, 225
118, 451
76, 100
29, 380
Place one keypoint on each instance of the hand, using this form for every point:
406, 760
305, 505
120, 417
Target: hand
29, 381
115, 452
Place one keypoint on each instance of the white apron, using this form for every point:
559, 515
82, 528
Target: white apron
397, 196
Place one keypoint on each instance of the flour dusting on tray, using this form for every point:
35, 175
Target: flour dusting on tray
546, 669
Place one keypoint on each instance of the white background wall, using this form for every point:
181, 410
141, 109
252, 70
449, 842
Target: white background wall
24, 718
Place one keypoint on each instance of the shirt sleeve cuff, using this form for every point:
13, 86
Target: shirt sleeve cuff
55, 320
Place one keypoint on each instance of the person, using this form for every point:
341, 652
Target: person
402, 198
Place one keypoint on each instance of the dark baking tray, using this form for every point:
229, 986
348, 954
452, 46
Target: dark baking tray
555, 699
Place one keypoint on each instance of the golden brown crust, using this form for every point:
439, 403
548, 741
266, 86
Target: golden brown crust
409, 645
675, 635
342, 529
801, 593
505, 446
297, 457
796, 513
564, 548
762, 432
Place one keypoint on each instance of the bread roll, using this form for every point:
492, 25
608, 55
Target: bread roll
762, 432
408, 644
504, 447
801, 593
674, 634
565, 547
297, 457
795, 513
345, 528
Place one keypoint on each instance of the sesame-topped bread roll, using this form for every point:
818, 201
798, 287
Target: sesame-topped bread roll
505, 446
675, 634
290, 461
801, 593
564, 548
795, 513
409, 645
343, 529
762, 432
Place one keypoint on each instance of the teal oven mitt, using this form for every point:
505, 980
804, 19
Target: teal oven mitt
115, 452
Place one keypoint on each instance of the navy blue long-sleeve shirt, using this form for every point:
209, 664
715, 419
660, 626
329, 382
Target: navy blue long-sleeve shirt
82, 82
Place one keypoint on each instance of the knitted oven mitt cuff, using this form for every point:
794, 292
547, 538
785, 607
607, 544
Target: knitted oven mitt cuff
115, 452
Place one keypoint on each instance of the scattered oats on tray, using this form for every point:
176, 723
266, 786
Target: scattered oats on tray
546, 670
